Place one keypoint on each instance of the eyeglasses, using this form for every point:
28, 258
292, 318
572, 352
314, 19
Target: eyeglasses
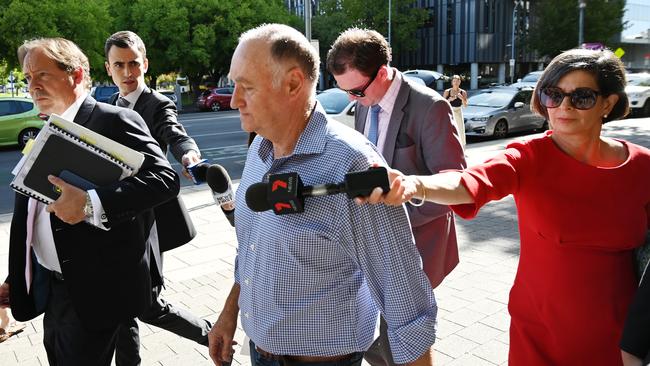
581, 98
360, 93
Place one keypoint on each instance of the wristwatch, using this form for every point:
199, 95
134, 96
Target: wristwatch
88, 207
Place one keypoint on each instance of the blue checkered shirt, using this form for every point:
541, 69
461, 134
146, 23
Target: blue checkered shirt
312, 283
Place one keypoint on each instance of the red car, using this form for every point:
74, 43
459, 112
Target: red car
215, 99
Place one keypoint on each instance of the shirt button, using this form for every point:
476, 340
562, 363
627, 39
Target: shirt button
253, 247
246, 281
246, 315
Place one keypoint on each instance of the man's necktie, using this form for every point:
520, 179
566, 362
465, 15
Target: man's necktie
373, 131
122, 102
32, 205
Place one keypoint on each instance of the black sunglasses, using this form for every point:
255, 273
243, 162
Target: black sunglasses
360, 93
581, 98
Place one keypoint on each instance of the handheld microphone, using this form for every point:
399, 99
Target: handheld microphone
285, 193
220, 184
198, 171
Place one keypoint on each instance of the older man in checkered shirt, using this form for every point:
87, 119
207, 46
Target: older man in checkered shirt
309, 286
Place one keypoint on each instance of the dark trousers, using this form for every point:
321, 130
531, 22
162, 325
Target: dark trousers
162, 315
258, 360
67, 342
379, 353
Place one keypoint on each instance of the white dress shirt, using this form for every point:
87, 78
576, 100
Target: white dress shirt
387, 103
43, 240
133, 96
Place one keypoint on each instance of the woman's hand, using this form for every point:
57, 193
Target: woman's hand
402, 189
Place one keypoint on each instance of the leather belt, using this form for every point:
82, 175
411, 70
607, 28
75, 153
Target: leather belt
288, 359
57, 275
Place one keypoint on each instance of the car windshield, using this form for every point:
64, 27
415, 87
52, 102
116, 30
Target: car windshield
638, 80
492, 99
531, 78
334, 103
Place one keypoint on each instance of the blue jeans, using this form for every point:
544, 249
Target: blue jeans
258, 360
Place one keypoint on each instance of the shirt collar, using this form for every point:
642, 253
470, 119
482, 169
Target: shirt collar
133, 96
73, 109
311, 141
388, 100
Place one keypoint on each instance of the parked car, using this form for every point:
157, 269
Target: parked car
638, 92
529, 80
500, 110
429, 77
19, 121
338, 105
102, 93
169, 94
215, 99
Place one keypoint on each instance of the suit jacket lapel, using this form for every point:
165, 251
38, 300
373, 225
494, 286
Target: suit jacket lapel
395, 122
86, 109
360, 117
139, 104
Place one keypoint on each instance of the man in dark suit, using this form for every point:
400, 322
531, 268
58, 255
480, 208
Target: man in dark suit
127, 63
87, 279
412, 126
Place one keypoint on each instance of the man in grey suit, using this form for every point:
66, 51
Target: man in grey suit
127, 64
413, 128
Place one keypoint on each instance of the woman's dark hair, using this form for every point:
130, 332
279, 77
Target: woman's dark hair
606, 68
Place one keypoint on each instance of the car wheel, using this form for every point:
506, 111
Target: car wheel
544, 126
646, 108
216, 107
25, 135
500, 129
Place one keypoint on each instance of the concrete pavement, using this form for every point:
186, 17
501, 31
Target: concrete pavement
473, 317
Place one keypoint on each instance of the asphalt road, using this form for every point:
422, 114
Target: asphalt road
218, 135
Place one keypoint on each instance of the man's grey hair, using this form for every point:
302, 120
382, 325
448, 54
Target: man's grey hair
67, 55
286, 44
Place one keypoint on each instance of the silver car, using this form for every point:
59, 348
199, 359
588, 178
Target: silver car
499, 110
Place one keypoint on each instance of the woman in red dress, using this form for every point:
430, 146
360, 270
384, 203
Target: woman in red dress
583, 203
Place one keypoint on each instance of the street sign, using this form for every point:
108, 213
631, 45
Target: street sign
512, 62
11, 77
619, 52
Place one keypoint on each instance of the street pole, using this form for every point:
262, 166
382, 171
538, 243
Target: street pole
390, 11
512, 43
581, 22
307, 4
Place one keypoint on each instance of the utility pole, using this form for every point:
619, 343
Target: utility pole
512, 42
307, 4
581, 22
390, 11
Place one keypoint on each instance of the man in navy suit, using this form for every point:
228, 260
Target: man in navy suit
127, 63
87, 279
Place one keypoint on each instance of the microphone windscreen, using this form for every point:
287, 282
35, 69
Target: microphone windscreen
257, 197
217, 178
198, 172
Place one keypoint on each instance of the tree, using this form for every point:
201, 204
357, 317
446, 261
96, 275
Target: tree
86, 23
557, 20
337, 15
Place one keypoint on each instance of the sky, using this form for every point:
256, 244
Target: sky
637, 14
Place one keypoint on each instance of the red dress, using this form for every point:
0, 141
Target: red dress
578, 225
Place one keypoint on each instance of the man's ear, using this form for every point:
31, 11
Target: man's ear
296, 81
108, 68
145, 65
78, 75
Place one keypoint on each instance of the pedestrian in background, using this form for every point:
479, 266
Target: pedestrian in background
583, 204
457, 97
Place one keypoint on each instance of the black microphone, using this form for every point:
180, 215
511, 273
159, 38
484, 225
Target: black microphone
285, 193
219, 181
